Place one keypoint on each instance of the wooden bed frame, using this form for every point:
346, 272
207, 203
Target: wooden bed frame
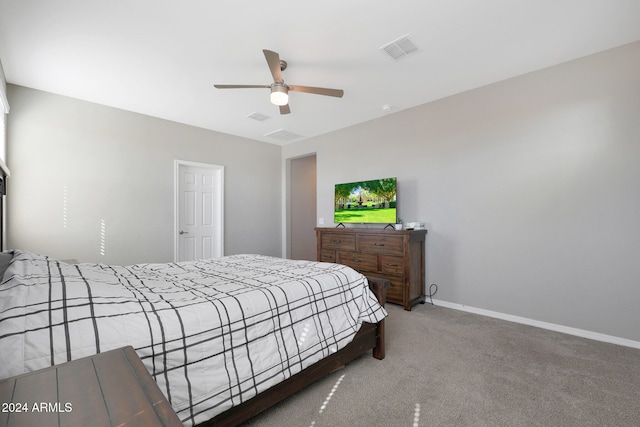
369, 337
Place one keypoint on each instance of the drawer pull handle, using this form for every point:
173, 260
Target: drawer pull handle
392, 265
378, 244
336, 241
356, 260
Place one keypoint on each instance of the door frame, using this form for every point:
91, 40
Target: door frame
219, 171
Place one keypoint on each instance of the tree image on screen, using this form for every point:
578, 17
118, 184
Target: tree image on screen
371, 201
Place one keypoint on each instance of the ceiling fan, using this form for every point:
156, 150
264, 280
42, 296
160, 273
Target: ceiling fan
279, 89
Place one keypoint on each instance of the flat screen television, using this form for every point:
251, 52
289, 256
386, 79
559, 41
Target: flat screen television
372, 201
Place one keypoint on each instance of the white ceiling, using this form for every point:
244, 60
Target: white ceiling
162, 57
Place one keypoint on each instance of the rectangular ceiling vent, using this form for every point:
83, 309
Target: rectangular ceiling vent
399, 48
283, 135
258, 116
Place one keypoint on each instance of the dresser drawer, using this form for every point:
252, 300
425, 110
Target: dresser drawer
358, 261
327, 255
395, 291
390, 264
345, 242
381, 244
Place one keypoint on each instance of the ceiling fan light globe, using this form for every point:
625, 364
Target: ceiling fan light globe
279, 98
279, 95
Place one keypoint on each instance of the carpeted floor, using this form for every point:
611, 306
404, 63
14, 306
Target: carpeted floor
450, 368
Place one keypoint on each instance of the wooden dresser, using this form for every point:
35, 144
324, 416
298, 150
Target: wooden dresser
396, 255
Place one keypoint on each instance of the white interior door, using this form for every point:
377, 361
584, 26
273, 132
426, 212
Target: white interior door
199, 211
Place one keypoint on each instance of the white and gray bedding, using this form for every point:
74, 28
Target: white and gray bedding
212, 333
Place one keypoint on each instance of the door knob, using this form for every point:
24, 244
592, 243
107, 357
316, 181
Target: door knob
184, 232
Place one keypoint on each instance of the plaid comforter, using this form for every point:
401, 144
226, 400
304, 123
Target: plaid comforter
212, 333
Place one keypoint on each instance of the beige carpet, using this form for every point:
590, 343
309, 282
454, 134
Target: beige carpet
450, 368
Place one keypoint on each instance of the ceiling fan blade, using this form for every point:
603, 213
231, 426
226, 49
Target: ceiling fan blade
273, 59
240, 86
284, 109
317, 90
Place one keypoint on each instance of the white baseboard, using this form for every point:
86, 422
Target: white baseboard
544, 325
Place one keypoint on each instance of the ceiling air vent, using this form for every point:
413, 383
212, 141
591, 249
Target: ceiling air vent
258, 116
399, 48
283, 135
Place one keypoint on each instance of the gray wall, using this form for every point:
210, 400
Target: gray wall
75, 164
529, 189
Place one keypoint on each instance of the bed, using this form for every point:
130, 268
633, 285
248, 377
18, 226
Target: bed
215, 334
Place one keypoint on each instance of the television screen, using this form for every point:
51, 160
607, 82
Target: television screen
371, 201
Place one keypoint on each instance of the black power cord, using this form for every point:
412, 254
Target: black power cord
433, 289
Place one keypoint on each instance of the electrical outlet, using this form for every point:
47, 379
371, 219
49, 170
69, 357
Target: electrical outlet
320, 221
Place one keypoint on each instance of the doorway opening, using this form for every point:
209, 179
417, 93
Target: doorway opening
302, 207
